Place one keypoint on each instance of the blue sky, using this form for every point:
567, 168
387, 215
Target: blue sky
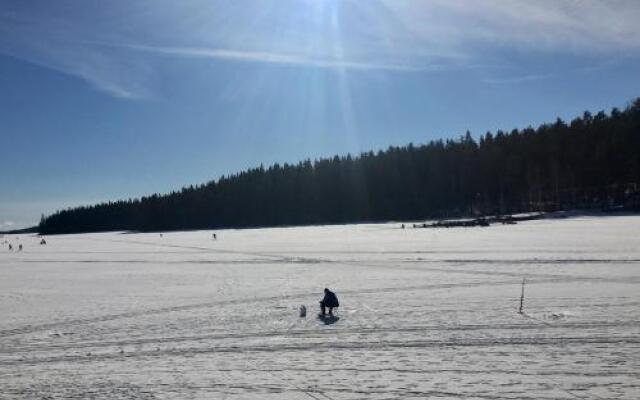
104, 100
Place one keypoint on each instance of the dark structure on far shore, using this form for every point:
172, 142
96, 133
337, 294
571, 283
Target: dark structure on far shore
591, 162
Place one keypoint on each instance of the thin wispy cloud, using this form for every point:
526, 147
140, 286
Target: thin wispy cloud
278, 58
547, 25
53, 44
378, 35
517, 79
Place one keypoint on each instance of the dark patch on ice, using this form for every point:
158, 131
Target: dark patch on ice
328, 319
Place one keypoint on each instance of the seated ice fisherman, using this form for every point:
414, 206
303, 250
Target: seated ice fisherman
330, 300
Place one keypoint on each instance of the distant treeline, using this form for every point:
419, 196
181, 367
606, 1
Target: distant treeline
593, 161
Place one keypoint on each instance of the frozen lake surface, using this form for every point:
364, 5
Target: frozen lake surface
425, 313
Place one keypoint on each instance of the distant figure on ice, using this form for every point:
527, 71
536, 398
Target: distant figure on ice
10, 247
330, 301
20, 247
215, 237
42, 241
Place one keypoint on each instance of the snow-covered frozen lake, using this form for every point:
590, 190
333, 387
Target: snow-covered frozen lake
425, 313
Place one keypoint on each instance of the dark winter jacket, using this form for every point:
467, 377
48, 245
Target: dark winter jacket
330, 299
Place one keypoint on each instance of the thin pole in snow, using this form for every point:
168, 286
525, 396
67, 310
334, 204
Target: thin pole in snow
522, 298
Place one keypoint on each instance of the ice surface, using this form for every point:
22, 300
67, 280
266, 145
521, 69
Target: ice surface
425, 313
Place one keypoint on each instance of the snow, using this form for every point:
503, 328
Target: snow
425, 313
